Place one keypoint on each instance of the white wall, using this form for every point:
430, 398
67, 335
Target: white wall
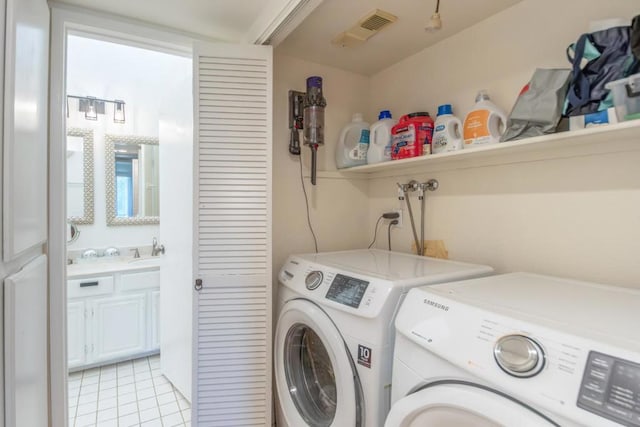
569, 217
150, 83
338, 207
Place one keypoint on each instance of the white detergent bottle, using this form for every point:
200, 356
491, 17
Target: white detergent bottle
447, 135
353, 143
485, 123
380, 138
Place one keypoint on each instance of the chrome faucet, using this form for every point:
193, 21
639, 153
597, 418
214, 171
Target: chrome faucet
155, 248
136, 252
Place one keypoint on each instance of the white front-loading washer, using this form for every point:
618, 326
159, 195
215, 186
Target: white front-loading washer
334, 336
517, 350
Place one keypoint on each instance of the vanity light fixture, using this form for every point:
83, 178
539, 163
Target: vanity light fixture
435, 23
92, 107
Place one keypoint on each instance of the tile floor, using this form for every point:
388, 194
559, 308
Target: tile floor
132, 393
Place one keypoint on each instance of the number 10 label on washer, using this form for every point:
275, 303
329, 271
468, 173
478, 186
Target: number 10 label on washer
364, 356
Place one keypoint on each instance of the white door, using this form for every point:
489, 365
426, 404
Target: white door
76, 334
312, 368
25, 346
119, 326
176, 219
232, 235
462, 405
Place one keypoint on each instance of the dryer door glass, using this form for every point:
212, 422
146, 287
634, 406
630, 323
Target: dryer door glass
463, 404
310, 376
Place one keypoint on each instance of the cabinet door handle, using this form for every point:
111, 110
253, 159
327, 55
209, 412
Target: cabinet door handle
87, 284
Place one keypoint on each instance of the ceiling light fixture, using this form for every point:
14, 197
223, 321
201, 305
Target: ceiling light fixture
435, 23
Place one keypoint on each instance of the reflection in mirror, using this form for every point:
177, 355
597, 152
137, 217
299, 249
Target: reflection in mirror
72, 232
132, 180
80, 176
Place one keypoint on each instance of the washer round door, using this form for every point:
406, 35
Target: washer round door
316, 378
462, 404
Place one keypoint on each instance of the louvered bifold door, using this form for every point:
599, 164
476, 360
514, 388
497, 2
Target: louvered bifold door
232, 254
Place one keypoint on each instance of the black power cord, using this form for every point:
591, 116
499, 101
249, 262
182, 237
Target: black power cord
375, 232
392, 223
306, 201
387, 215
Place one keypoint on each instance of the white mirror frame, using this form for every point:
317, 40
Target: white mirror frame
110, 179
88, 196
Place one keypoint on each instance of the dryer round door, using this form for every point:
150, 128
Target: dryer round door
461, 404
316, 378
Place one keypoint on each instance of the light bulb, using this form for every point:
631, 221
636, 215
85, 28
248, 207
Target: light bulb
91, 113
118, 111
434, 24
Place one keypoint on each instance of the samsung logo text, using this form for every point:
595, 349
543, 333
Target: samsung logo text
436, 305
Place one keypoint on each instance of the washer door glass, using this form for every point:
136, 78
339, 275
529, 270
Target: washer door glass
310, 376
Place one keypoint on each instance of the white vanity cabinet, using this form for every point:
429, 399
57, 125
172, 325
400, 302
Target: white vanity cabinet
119, 327
76, 335
112, 317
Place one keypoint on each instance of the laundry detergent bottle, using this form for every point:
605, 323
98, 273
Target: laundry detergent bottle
353, 143
380, 138
485, 123
447, 135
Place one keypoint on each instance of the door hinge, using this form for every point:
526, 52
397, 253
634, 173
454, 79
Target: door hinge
198, 285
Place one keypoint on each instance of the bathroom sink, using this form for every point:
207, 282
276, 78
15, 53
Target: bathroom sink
151, 262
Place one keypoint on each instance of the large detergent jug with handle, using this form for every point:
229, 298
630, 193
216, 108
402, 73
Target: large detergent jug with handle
353, 143
380, 138
447, 135
412, 136
485, 123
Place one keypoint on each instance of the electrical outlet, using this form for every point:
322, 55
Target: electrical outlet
399, 211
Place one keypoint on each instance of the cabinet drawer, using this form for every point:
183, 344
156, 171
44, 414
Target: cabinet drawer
78, 288
144, 280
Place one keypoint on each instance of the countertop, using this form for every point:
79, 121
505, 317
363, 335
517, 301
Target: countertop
111, 265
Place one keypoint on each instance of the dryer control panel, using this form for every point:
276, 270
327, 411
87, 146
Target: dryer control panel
611, 388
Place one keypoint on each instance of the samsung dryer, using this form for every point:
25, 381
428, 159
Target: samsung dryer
517, 350
334, 336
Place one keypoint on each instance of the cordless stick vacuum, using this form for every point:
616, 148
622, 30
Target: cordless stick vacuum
314, 104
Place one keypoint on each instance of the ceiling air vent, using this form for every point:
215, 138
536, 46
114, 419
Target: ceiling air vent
366, 28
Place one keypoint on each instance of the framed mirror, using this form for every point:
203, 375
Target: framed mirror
132, 178
80, 176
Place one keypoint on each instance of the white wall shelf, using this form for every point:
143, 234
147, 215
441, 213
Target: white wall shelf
621, 137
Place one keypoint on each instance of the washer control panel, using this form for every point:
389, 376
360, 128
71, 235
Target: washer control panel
611, 388
342, 290
347, 290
